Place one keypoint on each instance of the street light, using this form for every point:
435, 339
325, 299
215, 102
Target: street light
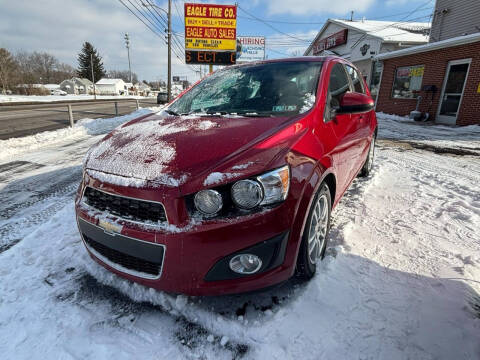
169, 44
127, 43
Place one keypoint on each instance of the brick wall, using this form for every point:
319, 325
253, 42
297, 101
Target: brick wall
436, 63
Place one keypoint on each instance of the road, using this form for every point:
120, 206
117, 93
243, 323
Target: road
22, 120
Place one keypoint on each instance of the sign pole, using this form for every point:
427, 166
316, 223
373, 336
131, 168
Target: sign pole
210, 68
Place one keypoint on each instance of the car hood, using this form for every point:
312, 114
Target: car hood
162, 150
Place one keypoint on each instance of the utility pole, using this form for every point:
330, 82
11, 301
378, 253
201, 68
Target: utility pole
93, 77
169, 44
169, 83
127, 43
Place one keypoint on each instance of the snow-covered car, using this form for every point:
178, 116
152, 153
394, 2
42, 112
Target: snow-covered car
58, 92
231, 187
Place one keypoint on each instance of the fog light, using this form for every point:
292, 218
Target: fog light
245, 263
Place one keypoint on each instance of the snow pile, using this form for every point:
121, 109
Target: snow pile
83, 128
207, 124
243, 166
218, 177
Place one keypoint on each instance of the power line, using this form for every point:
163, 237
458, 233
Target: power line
144, 23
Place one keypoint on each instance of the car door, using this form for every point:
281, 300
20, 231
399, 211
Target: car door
340, 126
361, 121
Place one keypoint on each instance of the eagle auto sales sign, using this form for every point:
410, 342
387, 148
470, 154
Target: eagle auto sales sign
210, 34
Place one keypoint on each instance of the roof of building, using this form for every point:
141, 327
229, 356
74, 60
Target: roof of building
387, 31
106, 81
84, 81
390, 31
456, 41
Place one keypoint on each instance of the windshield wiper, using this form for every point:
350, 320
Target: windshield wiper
254, 114
171, 112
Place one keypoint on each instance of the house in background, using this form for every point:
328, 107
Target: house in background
130, 89
77, 86
110, 87
443, 76
360, 41
143, 89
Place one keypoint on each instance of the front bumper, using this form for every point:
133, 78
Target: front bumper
193, 259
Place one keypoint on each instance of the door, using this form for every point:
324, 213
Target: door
362, 120
340, 126
452, 92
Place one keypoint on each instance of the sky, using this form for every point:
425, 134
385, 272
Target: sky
61, 26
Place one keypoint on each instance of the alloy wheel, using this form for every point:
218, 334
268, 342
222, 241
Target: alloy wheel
318, 229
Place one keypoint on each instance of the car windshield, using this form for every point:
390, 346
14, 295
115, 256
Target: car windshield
269, 89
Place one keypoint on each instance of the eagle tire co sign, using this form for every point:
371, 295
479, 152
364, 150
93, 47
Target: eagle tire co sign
210, 34
330, 42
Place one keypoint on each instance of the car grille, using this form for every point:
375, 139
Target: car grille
127, 208
124, 260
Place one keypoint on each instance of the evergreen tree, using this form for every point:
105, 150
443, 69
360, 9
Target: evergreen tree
84, 66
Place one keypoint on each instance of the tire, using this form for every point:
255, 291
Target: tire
315, 235
367, 167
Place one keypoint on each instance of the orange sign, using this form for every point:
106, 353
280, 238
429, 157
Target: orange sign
210, 27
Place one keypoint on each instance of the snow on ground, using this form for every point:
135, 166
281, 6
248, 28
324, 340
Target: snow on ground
400, 279
464, 140
84, 128
53, 98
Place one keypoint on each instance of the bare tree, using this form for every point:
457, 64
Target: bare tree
122, 74
62, 72
7, 69
44, 66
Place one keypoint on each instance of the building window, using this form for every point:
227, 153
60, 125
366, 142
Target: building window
408, 82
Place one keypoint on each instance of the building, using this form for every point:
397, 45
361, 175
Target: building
77, 86
143, 89
111, 87
361, 40
453, 18
442, 76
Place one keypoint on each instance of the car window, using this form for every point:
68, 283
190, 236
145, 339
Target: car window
338, 85
356, 79
271, 89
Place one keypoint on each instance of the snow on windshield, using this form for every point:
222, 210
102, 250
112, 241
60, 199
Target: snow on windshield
271, 88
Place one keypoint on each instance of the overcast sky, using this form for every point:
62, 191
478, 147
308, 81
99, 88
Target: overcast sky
61, 26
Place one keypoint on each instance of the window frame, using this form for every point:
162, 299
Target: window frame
360, 77
327, 105
395, 78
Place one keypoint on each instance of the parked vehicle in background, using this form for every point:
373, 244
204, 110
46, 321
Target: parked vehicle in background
162, 98
58, 92
230, 188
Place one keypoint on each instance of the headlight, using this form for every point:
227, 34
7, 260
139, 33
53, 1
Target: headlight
275, 185
247, 194
208, 202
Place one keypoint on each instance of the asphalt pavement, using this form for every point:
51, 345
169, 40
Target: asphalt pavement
23, 120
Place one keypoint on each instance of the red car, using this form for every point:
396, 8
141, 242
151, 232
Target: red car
230, 188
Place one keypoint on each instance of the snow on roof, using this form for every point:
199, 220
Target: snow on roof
106, 81
456, 41
51, 86
388, 31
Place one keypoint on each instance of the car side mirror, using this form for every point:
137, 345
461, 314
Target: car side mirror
355, 103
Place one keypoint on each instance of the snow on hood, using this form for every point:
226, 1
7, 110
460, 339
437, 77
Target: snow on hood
136, 152
165, 150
